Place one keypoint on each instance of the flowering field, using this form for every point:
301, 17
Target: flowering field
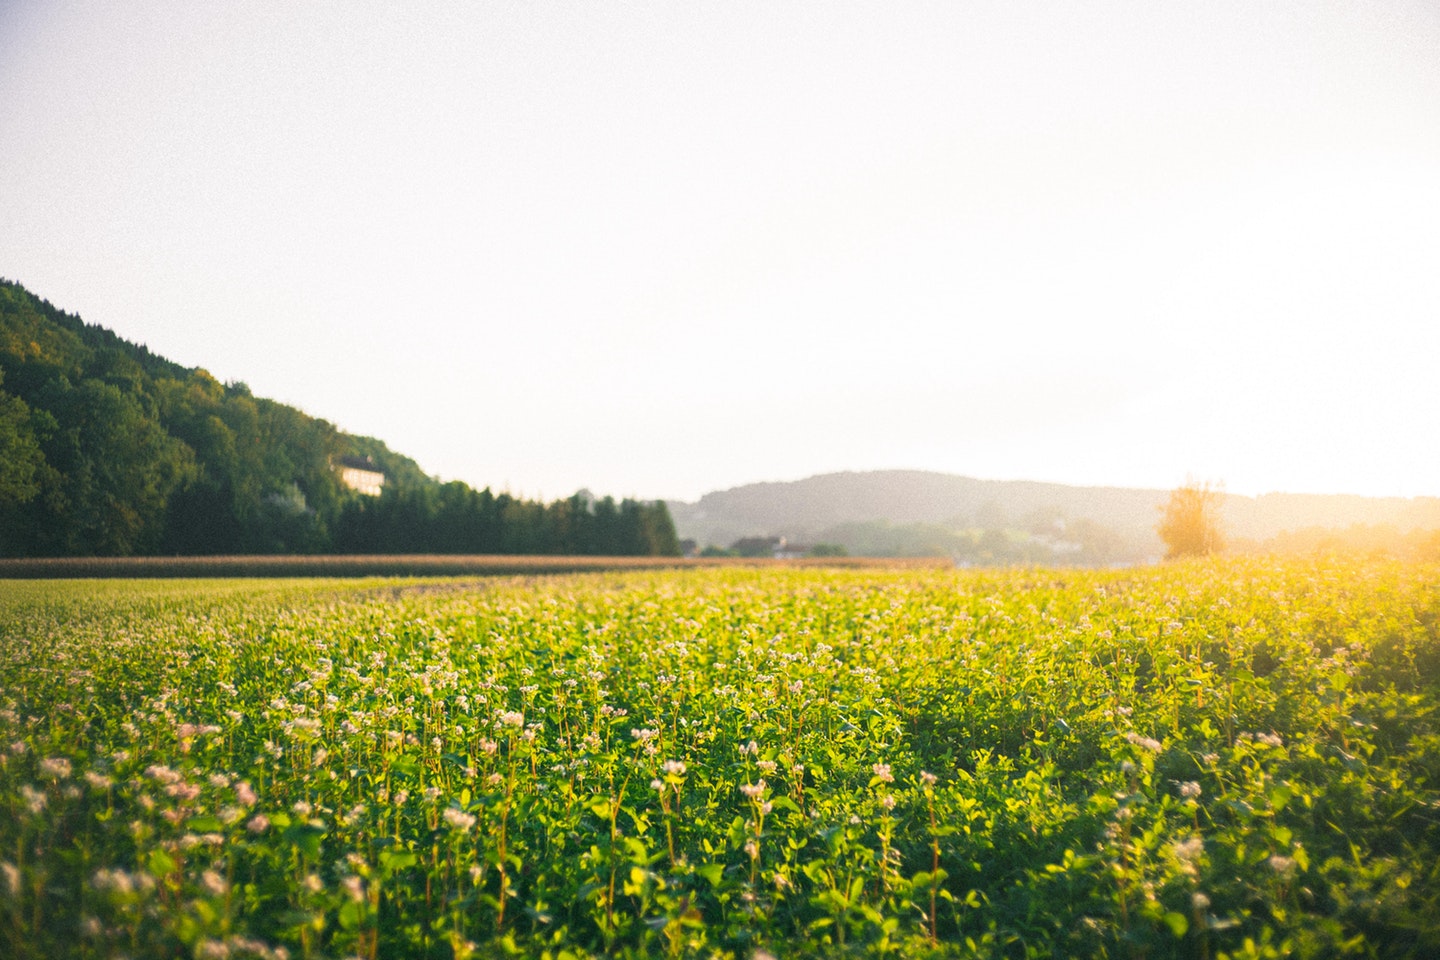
1226, 759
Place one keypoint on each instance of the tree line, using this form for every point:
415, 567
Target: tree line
107, 449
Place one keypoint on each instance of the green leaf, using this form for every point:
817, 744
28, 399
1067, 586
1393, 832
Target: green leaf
352, 914
784, 803
713, 872
393, 861
160, 863
306, 837
637, 851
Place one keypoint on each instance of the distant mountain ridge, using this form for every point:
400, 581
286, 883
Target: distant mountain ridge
823, 508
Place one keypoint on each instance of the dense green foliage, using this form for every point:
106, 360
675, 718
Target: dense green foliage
109, 450
1212, 759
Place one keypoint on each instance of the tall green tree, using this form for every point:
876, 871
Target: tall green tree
21, 459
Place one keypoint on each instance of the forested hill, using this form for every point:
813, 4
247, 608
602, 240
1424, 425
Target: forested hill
109, 450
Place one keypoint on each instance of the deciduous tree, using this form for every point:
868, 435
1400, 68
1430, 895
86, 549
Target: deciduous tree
1190, 521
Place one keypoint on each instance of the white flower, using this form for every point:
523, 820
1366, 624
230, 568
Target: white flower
459, 819
182, 791
117, 880
34, 799
927, 779
56, 768
1187, 851
214, 884
1189, 790
11, 875
674, 768
1281, 864
753, 790
1147, 742
212, 950
882, 772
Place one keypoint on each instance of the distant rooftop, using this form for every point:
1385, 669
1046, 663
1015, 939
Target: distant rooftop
359, 463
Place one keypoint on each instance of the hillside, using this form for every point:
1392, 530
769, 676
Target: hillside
107, 449
899, 511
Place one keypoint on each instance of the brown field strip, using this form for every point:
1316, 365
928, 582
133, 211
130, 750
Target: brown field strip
401, 565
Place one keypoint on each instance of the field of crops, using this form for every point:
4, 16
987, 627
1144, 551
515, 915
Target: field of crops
1229, 759
400, 565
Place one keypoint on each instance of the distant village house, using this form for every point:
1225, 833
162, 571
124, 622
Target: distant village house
361, 475
777, 547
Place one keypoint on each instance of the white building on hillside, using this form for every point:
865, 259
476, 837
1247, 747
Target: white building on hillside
361, 475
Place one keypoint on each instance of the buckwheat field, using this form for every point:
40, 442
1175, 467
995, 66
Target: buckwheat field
1215, 759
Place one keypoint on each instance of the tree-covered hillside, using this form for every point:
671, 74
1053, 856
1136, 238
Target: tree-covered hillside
107, 449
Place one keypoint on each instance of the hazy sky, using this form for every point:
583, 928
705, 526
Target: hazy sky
656, 249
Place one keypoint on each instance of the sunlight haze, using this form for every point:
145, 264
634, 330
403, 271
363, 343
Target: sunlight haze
660, 249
